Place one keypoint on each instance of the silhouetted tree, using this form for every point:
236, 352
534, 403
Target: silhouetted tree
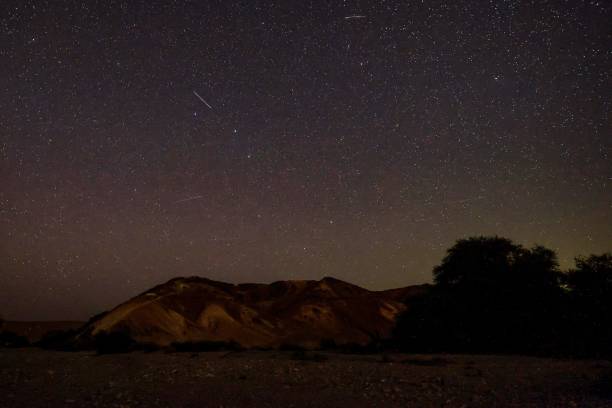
490, 294
592, 278
537, 269
475, 262
591, 291
493, 262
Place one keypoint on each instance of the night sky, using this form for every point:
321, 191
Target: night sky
260, 141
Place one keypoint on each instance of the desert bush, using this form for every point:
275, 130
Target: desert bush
202, 346
356, 348
385, 358
291, 347
303, 355
57, 340
148, 347
119, 341
427, 362
328, 344
10, 339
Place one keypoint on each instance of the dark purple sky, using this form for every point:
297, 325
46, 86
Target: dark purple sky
259, 141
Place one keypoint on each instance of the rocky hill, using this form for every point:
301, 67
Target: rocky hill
297, 313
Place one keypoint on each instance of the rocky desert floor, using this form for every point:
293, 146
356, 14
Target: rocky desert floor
38, 378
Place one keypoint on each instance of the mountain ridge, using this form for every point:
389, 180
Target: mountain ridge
301, 313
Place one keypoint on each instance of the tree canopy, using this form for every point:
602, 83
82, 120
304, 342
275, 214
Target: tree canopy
493, 295
494, 262
592, 276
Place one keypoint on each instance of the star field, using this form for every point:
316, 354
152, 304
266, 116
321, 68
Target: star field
260, 141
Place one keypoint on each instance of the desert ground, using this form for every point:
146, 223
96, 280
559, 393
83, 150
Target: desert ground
36, 378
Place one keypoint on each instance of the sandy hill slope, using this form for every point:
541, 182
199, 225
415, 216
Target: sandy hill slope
300, 313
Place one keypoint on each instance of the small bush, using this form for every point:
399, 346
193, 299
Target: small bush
328, 344
291, 347
114, 342
57, 340
302, 355
10, 339
201, 346
385, 358
429, 362
356, 348
148, 347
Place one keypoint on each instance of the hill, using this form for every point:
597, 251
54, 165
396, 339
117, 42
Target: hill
297, 313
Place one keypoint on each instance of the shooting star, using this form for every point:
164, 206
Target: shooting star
189, 199
354, 17
466, 200
202, 99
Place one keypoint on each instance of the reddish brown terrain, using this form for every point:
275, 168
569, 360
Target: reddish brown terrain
296, 313
32, 378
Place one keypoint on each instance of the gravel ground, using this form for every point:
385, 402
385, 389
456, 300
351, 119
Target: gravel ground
37, 378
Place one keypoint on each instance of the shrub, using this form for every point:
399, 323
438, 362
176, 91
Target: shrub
201, 346
57, 340
328, 344
302, 355
10, 339
119, 341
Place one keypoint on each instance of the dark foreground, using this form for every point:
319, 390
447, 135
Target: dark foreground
36, 378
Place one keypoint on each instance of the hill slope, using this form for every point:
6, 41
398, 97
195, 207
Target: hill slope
300, 313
